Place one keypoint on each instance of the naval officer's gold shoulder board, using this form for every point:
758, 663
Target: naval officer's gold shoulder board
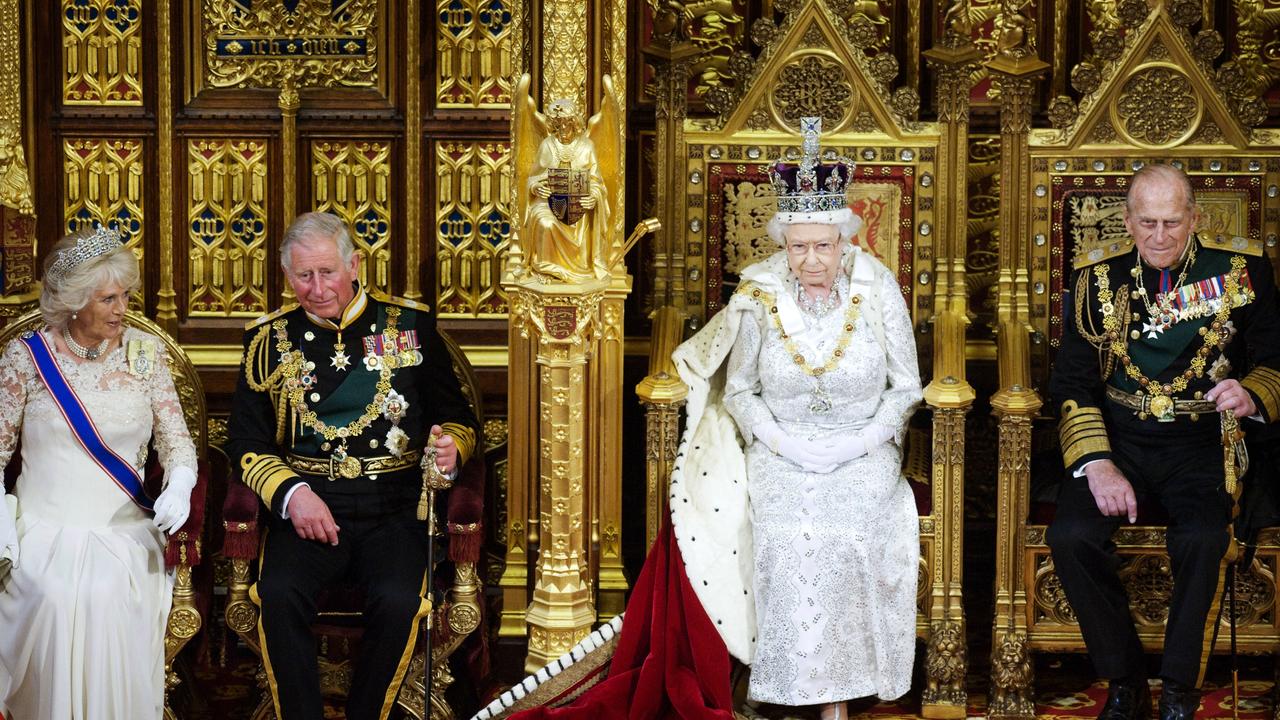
263, 319
1101, 253
401, 302
1232, 243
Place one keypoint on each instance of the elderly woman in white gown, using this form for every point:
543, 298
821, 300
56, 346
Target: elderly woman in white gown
794, 525
821, 381
84, 604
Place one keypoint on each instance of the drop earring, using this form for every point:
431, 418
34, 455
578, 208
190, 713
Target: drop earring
75, 316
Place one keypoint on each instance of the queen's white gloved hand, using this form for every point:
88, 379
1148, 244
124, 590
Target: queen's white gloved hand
842, 450
8, 533
809, 455
174, 504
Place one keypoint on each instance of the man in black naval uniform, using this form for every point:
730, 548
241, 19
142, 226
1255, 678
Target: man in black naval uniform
1158, 339
332, 415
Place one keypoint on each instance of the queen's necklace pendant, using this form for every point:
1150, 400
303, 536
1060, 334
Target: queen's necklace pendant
819, 401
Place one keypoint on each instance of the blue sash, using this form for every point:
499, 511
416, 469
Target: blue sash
82, 427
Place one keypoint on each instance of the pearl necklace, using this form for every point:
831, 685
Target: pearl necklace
80, 351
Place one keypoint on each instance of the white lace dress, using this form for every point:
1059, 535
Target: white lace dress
836, 554
82, 617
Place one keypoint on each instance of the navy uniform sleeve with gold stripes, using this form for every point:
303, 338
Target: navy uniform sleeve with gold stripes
446, 405
251, 429
1262, 338
1076, 386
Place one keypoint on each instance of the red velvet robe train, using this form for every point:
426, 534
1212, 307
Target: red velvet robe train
669, 661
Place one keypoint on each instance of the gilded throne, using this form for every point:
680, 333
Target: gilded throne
715, 213
1153, 102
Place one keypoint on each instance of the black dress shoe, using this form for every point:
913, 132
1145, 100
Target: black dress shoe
1178, 702
1127, 700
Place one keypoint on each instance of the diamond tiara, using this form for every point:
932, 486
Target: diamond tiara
811, 186
103, 241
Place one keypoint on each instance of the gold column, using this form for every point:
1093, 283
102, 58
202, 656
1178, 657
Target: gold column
1017, 70
564, 51
663, 394
412, 155
949, 395
521, 530
289, 103
522, 527
606, 468
166, 298
671, 55
561, 319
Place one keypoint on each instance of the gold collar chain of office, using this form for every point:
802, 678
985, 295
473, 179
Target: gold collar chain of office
846, 336
1161, 403
291, 362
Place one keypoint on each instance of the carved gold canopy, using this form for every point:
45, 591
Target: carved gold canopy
809, 67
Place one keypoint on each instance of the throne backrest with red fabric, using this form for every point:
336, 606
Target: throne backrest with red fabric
1079, 174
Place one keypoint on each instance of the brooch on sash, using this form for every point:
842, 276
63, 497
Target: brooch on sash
142, 357
380, 350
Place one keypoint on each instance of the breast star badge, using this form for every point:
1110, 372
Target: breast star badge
340, 360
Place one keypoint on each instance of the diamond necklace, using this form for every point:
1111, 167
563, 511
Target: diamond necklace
817, 307
80, 351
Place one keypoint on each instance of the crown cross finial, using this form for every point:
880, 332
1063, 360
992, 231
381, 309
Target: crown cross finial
104, 240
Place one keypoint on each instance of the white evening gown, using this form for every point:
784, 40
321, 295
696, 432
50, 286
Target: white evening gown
82, 617
836, 554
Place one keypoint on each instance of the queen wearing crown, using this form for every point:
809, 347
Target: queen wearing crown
793, 543
820, 381
84, 595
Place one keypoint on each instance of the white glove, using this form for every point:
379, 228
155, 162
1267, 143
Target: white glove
174, 504
842, 450
809, 455
8, 534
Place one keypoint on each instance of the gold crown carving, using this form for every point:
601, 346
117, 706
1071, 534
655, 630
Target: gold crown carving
103, 241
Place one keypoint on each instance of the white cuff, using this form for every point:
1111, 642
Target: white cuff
284, 507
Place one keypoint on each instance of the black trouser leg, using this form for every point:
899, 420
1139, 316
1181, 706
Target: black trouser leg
293, 571
1200, 510
1085, 559
391, 566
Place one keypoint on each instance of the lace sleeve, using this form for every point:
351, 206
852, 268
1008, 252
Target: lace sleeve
13, 399
172, 439
742, 379
903, 392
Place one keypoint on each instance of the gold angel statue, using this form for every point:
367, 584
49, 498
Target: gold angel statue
567, 179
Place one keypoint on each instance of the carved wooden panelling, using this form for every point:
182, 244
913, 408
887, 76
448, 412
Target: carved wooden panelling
353, 181
258, 43
101, 52
226, 227
473, 54
103, 185
472, 227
